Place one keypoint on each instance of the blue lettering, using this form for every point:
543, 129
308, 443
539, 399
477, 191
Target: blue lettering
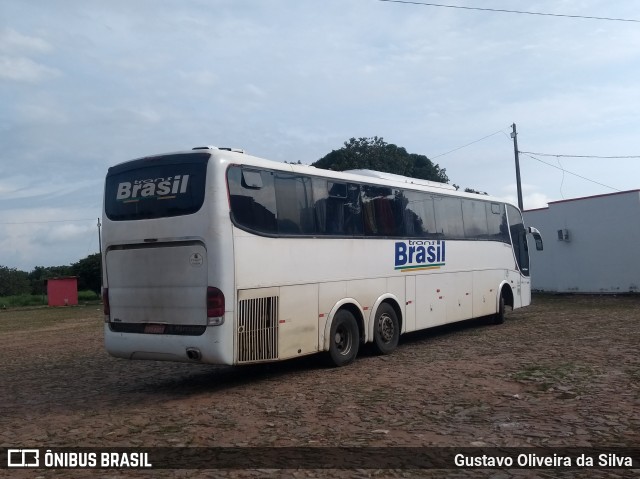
417, 253
431, 253
401, 254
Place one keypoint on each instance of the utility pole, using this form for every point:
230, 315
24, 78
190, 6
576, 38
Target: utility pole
100, 246
514, 135
99, 237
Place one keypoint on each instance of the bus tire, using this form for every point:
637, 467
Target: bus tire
498, 318
386, 330
344, 339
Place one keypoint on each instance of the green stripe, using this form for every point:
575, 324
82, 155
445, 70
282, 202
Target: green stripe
434, 265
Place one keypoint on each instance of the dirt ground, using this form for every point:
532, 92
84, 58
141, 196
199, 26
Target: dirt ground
562, 372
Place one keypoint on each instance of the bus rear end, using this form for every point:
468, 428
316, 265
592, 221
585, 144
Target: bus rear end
162, 271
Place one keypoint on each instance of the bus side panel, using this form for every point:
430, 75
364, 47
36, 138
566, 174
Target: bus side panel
525, 294
298, 322
430, 300
409, 321
458, 296
514, 278
485, 291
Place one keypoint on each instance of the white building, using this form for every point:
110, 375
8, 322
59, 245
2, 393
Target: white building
591, 245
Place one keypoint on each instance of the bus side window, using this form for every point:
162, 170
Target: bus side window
449, 217
328, 198
382, 211
419, 215
497, 222
353, 211
474, 215
294, 204
337, 208
253, 206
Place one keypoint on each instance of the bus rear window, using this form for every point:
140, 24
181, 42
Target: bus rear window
156, 187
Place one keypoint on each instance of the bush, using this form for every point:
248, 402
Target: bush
21, 300
87, 296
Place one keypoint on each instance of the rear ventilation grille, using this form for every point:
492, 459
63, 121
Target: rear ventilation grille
257, 329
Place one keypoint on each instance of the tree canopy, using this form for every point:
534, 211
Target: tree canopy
13, 282
376, 154
88, 271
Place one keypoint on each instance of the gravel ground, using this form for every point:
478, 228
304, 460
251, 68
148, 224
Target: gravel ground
562, 372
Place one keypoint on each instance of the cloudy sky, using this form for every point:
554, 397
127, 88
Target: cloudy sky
86, 84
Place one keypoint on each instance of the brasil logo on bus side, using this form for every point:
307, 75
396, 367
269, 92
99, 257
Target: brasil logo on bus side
417, 255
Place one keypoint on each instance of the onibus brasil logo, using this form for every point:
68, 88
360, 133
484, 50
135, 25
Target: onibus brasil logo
417, 255
159, 188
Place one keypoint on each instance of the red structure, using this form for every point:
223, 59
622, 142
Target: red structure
63, 291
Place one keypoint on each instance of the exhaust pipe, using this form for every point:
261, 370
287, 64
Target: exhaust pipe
194, 354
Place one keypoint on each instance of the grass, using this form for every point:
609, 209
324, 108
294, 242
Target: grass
24, 300
566, 375
533, 372
39, 317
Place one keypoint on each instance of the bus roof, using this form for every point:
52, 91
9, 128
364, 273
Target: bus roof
238, 156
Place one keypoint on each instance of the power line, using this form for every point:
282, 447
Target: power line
50, 221
581, 156
468, 144
570, 172
520, 12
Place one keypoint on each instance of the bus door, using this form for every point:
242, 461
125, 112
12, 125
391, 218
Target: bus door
521, 283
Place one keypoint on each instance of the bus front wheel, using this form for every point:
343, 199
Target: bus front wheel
498, 318
344, 340
386, 331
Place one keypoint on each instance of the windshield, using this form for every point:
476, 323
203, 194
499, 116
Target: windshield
156, 187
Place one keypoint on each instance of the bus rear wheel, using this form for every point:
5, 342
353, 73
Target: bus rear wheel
344, 339
386, 332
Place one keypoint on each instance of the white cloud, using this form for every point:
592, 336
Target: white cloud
16, 64
24, 69
47, 112
60, 233
39, 185
12, 42
46, 236
532, 198
294, 80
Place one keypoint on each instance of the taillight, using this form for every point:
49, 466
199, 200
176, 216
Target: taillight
105, 301
215, 303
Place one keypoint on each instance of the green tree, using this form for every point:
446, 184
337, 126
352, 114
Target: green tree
13, 282
89, 273
376, 154
39, 275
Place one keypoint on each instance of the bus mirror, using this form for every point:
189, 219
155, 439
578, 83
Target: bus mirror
537, 237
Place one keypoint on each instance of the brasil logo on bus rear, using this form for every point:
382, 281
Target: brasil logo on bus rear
417, 255
159, 188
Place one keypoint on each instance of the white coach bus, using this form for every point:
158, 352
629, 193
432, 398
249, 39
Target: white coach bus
215, 256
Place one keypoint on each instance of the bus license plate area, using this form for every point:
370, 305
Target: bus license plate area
154, 328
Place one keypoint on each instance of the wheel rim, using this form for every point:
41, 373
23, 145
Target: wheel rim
386, 328
343, 340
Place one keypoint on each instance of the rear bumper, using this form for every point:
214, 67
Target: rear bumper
215, 345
